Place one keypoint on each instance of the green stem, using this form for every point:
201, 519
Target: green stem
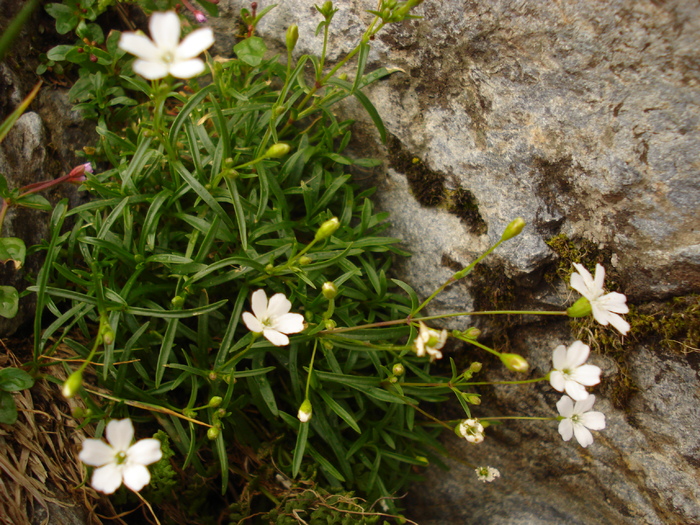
534, 418
240, 354
311, 369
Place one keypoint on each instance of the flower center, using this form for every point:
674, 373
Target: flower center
575, 418
167, 57
120, 458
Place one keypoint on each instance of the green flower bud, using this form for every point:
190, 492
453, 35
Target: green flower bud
292, 37
215, 401
329, 290
213, 376
228, 162
189, 412
305, 411
304, 260
327, 229
515, 362
475, 367
79, 412
277, 150
108, 336
177, 301
472, 333
472, 399
73, 384
398, 369
213, 433
581, 308
330, 324
513, 229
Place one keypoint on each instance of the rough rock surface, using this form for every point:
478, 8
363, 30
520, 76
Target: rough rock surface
581, 118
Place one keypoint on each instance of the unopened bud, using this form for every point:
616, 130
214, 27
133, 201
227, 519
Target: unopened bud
107, 335
73, 384
472, 333
330, 324
292, 37
472, 399
177, 301
475, 367
213, 433
327, 229
513, 229
215, 401
304, 260
581, 308
329, 290
200, 17
305, 411
515, 362
398, 369
277, 150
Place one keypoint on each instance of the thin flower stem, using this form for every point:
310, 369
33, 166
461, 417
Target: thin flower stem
534, 418
311, 369
475, 383
479, 345
240, 354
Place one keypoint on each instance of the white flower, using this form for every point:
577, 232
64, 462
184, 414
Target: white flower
305, 411
165, 54
487, 474
605, 307
472, 430
120, 461
429, 342
576, 419
273, 319
570, 374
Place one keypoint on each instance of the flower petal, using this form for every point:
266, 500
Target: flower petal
290, 323
96, 453
576, 391
584, 405
578, 284
259, 304
619, 323
136, 477
252, 323
144, 452
566, 429
556, 379
583, 435
275, 337
120, 434
587, 375
593, 420
577, 354
600, 314
559, 357
151, 70
187, 68
107, 479
195, 43
565, 406
165, 30
599, 277
614, 302
278, 305
139, 45
584, 281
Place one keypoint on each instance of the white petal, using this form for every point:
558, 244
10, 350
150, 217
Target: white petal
276, 338
576, 391
587, 375
278, 305
559, 357
583, 435
259, 303
556, 379
599, 277
252, 323
139, 45
566, 429
136, 477
577, 354
195, 43
144, 452
600, 314
165, 30
152, 70
614, 302
584, 405
96, 453
585, 280
290, 323
593, 420
619, 323
578, 284
187, 68
120, 434
107, 479
565, 406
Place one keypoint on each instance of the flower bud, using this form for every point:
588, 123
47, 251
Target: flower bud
472, 399
513, 229
277, 150
329, 290
327, 229
330, 324
107, 335
215, 401
515, 362
177, 301
475, 367
292, 37
305, 411
581, 308
398, 369
304, 260
472, 333
200, 17
213, 433
73, 384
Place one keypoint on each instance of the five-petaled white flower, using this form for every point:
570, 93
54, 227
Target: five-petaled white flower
570, 374
487, 474
120, 461
605, 307
471, 430
273, 319
429, 341
576, 419
165, 54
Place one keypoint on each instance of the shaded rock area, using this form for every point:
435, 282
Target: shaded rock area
582, 118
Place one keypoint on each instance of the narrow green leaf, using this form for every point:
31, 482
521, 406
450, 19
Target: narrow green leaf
299, 448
